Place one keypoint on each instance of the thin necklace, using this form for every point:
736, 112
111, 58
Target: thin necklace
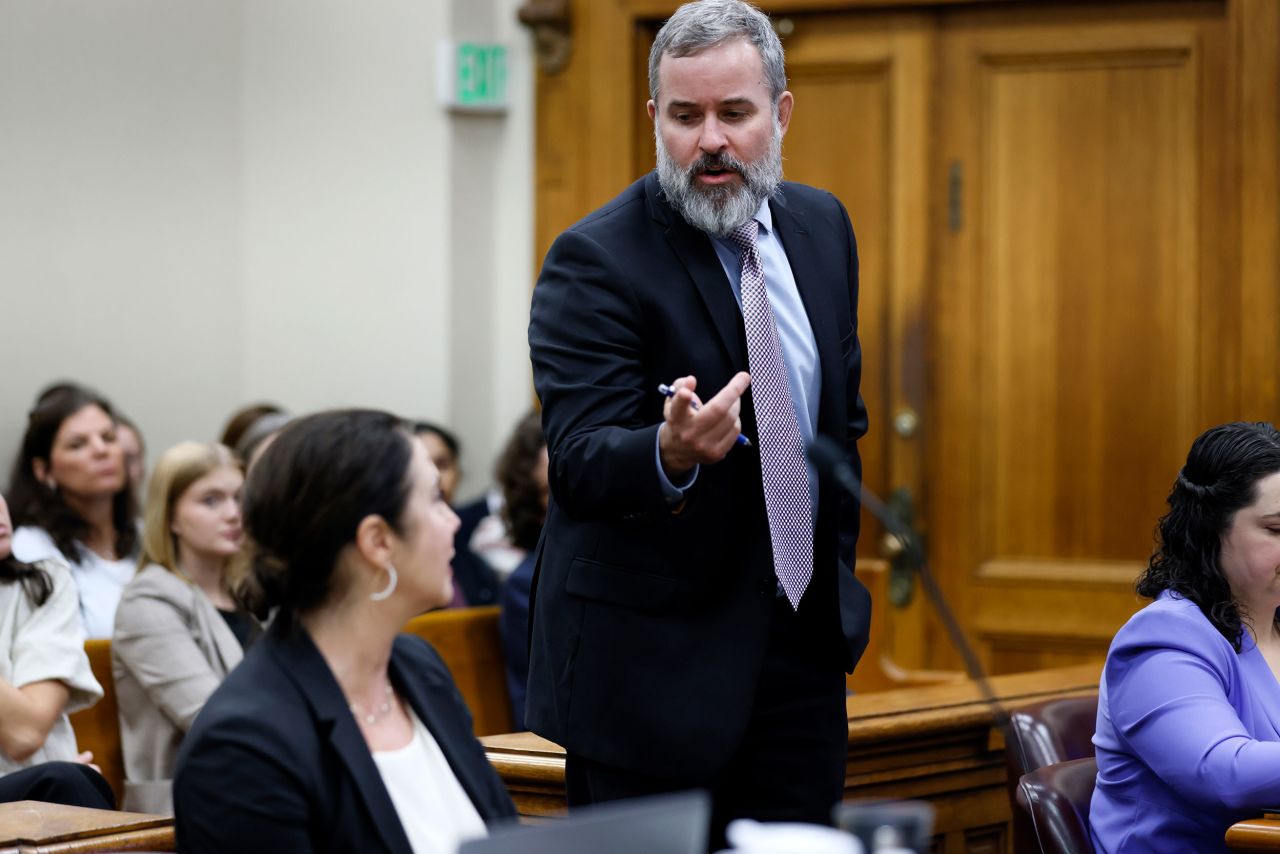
384, 708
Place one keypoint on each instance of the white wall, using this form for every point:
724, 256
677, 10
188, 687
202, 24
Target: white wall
120, 186
209, 202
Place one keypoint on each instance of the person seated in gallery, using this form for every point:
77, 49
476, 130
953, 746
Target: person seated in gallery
337, 733
524, 509
44, 674
178, 630
240, 421
72, 500
135, 452
1188, 732
492, 536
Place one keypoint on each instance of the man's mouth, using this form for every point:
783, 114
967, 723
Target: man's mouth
716, 174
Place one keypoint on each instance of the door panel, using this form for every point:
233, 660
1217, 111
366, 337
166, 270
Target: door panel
1072, 361
860, 98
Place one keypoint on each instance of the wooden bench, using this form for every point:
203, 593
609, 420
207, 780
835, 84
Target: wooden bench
469, 642
97, 728
34, 827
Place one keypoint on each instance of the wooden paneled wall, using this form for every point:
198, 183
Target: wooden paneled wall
1070, 244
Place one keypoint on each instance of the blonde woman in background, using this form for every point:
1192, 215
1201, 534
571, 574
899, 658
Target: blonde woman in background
178, 632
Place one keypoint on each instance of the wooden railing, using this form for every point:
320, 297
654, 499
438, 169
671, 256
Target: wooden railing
936, 743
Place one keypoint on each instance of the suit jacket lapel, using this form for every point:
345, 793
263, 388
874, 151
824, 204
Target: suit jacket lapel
429, 697
211, 625
813, 282
305, 666
694, 250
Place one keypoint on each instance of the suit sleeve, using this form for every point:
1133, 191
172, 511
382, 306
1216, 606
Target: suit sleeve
585, 343
1167, 698
856, 422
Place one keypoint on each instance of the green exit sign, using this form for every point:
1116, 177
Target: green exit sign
473, 76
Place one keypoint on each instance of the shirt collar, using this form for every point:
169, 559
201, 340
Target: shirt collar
764, 216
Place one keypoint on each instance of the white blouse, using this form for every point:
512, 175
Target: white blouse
45, 643
434, 809
98, 580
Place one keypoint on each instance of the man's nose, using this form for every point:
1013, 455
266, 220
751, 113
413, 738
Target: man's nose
713, 139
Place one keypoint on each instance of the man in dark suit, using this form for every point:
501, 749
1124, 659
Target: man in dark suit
694, 605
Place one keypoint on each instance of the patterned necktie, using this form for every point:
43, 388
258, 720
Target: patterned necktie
782, 462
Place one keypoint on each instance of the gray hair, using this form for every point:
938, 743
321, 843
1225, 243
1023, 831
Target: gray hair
704, 24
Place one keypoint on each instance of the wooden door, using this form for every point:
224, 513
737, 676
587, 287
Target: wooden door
1084, 279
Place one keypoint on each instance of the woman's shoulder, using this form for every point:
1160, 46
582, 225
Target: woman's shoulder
60, 584
154, 579
31, 544
1173, 622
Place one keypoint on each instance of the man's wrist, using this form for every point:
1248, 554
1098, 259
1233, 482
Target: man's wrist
673, 467
673, 491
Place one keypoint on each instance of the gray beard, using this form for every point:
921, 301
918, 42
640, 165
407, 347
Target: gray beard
719, 210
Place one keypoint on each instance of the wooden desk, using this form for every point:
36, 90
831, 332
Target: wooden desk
1255, 834
935, 743
33, 827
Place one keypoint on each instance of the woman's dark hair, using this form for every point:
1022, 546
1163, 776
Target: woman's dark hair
35, 582
57, 387
306, 496
450, 440
33, 503
523, 509
242, 419
1219, 479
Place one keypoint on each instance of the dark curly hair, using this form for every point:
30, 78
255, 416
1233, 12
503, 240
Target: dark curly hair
34, 503
524, 508
306, 496
1219, 479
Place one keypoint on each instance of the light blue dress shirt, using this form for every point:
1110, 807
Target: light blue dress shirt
799, 349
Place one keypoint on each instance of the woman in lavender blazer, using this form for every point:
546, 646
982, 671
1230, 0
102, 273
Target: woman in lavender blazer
1188, 735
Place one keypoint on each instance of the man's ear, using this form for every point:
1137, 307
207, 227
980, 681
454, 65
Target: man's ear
373, 540
786, 103
653, 111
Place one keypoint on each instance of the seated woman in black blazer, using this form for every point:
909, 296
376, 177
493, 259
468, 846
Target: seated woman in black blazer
335, 734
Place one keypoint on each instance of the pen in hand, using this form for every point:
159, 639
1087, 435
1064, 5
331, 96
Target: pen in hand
667, 391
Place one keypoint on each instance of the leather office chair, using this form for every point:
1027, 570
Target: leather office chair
1042, 734
1055, 799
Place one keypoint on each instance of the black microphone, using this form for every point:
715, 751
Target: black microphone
830, 460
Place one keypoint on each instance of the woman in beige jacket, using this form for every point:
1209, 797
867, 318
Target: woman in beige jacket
178, 632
